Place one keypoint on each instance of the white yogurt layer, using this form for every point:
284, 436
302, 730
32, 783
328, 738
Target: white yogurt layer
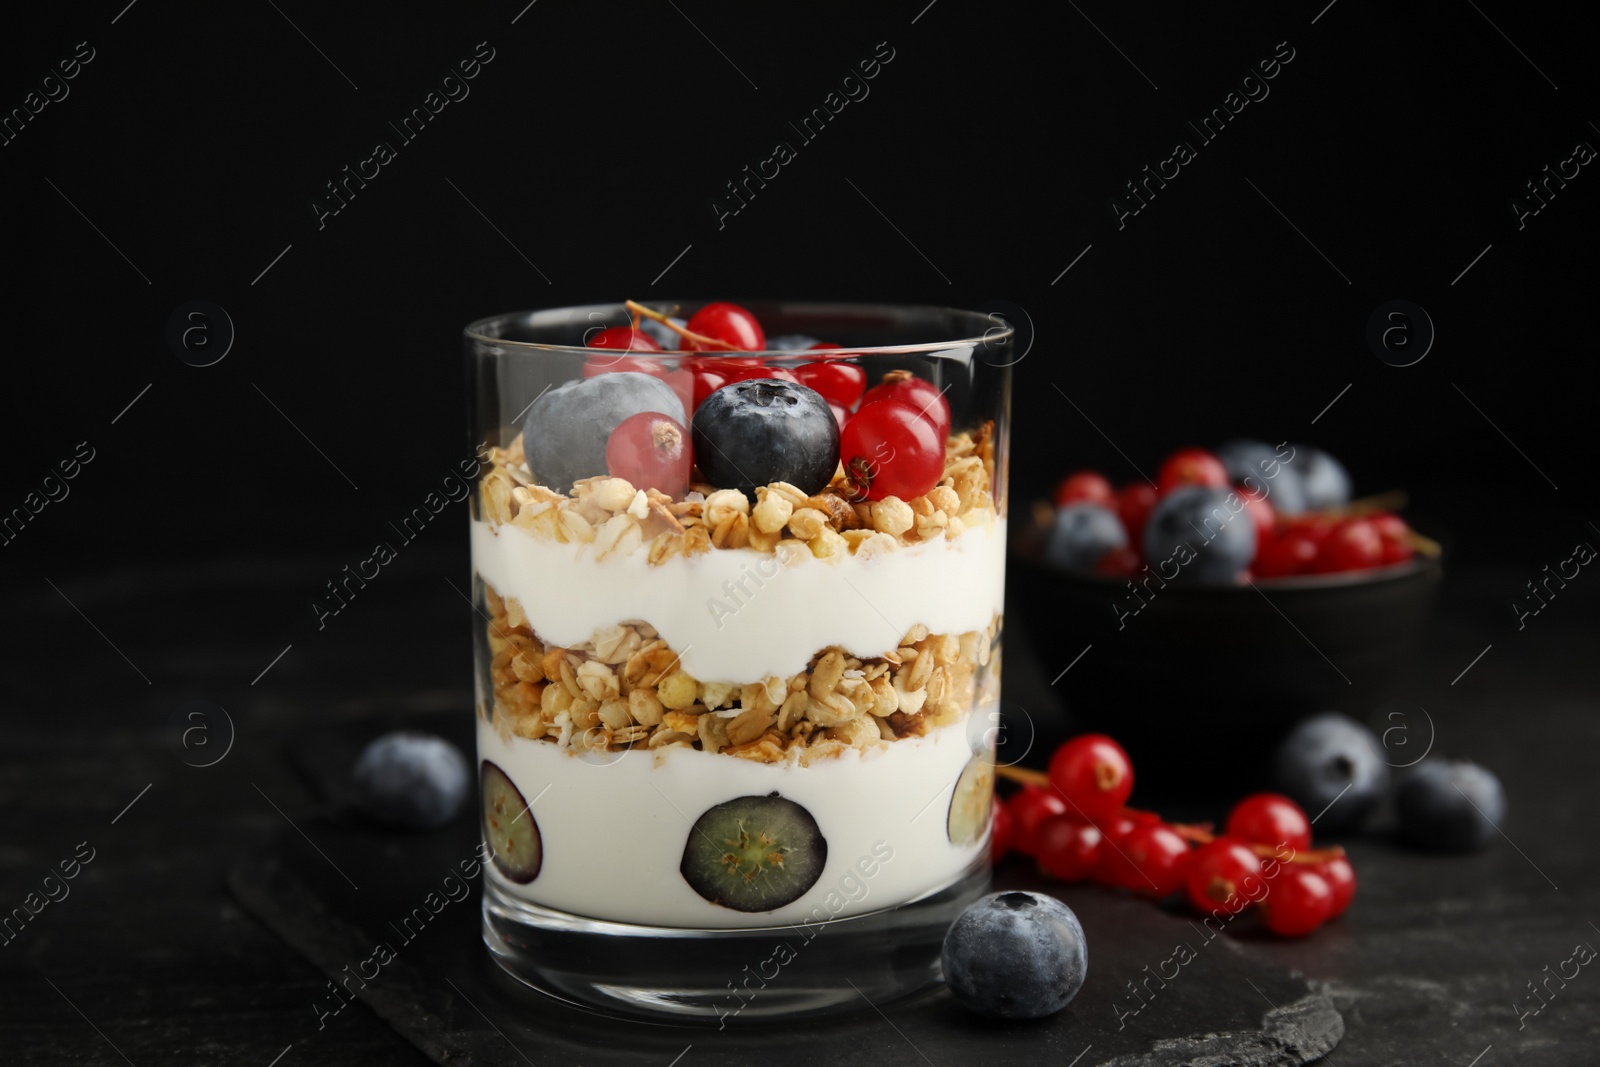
614, 825
738, 615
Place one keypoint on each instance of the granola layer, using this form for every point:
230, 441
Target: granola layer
625, 688
613, 516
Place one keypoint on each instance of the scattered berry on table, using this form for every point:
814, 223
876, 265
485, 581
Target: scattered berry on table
1067, 848
1297, 902
1220, 877
1093, 774
1029, 809
412, 779
1341, 878
1334, 765
1270, 819
1015, 955
1450, 805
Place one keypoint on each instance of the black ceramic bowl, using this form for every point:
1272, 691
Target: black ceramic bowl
1195, 679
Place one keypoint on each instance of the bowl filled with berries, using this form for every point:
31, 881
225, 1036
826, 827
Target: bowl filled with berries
1215, 605
739, 572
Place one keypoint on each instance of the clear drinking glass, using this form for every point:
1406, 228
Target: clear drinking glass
736, 749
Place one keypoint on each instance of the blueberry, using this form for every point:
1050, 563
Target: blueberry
790, 342
1450, 805
1332, 764
766, 430
565, 432
1326, 481
1209, 539
754, 853
662, 336
1082, 534
412, 779
1015, 955
1266, 470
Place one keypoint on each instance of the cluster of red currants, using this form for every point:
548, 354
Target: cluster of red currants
1312, 542
891, 437
1075, 824
1326, 544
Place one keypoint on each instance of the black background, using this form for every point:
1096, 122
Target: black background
983, 161
598, 137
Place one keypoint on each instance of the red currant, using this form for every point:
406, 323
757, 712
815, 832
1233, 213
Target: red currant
1085, 487
1119, 563
624, 338
743, 373
1029, 808
1093, 773
1314, 528
1353, 545
1159, 860
682, 382
839, 383
1299, 901
1218, 876
1191, 466
1270, 819
1390, 526
1113, 868
1396, 537
707, 377
1263, 514
652, 451
889, 449
840, 415
1134, 504
1066, 848
1292, 553
1002, 827
1341, 878
726, 322
921, 394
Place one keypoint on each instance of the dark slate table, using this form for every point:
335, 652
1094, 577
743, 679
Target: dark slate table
219, 898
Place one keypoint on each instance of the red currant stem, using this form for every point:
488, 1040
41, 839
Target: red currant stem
1025, 775
1393, 500
857, 484
1426, 546
697, 338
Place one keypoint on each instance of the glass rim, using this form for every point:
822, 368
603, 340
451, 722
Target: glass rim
999, 332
